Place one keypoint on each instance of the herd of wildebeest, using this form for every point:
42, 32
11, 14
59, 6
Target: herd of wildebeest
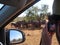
28, 25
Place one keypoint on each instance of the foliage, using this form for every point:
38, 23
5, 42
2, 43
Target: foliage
44, 12
44, 9
34, 13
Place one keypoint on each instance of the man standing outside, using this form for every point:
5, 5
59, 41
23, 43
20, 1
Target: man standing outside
46, 35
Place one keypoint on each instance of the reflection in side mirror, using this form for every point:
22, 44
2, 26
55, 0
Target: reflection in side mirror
15, 36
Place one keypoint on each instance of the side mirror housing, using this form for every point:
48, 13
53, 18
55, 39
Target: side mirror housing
15, 36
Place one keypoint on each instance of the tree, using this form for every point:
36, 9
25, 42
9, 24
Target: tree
44, 11
32, 14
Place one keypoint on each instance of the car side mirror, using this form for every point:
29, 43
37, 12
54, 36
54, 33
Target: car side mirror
15, 36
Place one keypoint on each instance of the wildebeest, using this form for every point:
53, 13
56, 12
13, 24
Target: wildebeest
21, 24
29, 24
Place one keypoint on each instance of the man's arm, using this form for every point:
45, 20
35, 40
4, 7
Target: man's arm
46, 38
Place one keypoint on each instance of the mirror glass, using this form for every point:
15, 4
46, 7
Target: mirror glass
16, 36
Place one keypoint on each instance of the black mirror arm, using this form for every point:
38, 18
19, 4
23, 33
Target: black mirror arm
7, 38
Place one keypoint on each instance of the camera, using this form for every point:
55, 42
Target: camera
53, 19
50, 27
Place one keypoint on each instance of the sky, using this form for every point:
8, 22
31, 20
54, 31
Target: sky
15, 35
38, 4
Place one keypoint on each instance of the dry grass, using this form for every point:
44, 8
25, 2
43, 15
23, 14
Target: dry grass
33, 37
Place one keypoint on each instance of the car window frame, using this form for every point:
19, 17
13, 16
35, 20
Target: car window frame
19, 12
